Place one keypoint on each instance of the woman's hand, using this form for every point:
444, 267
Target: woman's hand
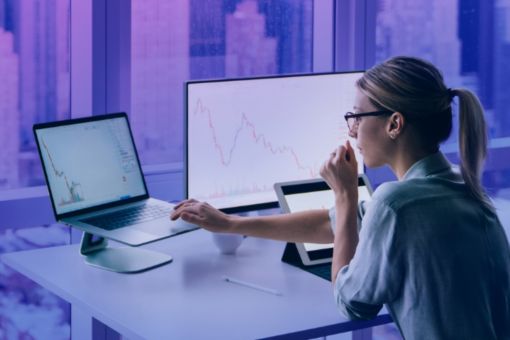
340, 171
204, 215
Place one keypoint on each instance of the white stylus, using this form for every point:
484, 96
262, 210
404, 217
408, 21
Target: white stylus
252, 285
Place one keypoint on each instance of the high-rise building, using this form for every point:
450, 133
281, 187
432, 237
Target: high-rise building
290, 22
41, 40
476, 33
63, 60
159, 66
9, 115
248, 50
501, 68
207, 38
2, 14
424, 28
427, 29
34, 29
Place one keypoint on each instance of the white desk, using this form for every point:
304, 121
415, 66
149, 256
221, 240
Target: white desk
187, 299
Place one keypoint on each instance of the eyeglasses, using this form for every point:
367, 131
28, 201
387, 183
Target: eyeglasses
353, 119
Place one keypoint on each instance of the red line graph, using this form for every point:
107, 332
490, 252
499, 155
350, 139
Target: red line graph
257, 137
72, 188
57, 173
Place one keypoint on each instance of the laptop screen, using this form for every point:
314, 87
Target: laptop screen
89, 162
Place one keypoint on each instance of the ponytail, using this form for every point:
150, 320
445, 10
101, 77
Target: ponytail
416, 88
472, 143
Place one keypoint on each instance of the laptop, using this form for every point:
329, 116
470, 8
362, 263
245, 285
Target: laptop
311, 194
96, 183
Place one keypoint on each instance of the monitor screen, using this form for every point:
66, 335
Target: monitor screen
89, 163
244, 135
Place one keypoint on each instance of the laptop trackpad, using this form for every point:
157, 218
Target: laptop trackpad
165, 227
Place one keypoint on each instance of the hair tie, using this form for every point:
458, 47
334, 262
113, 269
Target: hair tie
451, 93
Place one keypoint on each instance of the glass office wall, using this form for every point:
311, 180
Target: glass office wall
469, 41
174, 41
34, 87
34, 64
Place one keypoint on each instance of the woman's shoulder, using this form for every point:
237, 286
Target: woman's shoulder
394, 192
397, 194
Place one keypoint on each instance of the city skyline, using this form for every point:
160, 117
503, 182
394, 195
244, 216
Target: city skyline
234, 38
40, 45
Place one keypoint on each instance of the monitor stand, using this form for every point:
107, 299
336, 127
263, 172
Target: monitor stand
120, 260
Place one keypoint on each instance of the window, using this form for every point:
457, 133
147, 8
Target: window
34, 87
426, 29
174, 41
34, 64
469, 40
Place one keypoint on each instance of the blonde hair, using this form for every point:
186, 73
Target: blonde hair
415, 88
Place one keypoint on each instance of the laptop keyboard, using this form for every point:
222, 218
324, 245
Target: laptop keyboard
323, 271
123, 218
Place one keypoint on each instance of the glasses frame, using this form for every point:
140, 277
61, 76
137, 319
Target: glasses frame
350, 115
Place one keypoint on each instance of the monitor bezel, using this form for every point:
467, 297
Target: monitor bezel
249, 207
42, 126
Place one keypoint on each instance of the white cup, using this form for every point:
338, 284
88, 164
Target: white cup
227, 243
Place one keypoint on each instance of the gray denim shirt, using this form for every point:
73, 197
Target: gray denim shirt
435, 257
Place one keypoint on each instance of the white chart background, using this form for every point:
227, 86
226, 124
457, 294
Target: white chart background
97, 156
246, 135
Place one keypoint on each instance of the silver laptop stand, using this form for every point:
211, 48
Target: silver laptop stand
120, 260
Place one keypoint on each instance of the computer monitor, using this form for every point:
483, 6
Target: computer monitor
244, 135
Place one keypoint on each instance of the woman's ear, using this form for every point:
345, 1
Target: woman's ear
396, 124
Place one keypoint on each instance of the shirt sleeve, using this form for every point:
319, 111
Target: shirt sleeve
373, 276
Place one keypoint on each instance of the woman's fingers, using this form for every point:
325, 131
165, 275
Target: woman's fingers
187, 205
191, 200
341, 154
350, 151
352, 156
192, 218
348, 146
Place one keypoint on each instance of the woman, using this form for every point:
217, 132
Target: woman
431, 246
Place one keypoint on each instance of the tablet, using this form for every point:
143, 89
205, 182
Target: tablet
309, 195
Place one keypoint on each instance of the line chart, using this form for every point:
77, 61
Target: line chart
74, 188
257, 137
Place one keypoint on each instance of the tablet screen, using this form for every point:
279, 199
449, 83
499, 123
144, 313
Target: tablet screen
317, 195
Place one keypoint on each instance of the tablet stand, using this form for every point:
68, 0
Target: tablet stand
291, 255
121, 260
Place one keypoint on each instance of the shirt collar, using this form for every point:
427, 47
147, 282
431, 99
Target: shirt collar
429, 165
